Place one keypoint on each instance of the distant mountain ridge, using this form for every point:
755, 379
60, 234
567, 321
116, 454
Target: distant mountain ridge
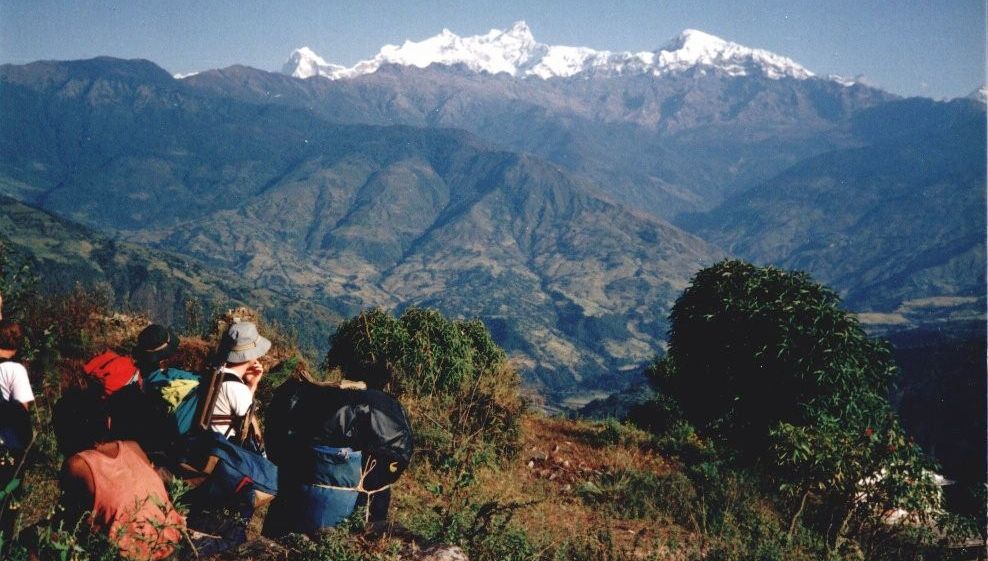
542, 206
681, 145
515, 51
668, 144
349, 216
897, 225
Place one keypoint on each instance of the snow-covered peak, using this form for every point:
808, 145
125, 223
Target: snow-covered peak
696, 48
845, 81
515, 51
519, 32
695, 40
980, 94
497, 51
305, 63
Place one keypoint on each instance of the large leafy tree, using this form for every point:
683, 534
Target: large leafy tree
750, 347
766, 364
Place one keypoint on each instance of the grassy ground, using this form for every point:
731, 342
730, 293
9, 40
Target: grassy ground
565, 488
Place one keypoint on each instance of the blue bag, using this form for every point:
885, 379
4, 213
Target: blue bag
230, 470
16, 432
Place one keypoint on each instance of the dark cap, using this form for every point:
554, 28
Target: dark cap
155, 344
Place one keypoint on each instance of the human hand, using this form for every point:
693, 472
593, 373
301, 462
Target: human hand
253, 374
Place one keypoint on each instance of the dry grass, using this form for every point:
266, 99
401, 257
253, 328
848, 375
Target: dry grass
557, 455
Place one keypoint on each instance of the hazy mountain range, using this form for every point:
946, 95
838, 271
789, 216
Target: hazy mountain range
545, 189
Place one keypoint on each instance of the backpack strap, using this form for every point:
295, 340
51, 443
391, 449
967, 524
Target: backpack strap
236, 423
243, 428
246, 431
205, 417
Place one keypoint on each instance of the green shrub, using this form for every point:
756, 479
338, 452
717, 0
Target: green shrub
640, 494
750, 347
597, 546
338, 544
510, 543
460, 392
612, 432
331, 544
484, 529
660, 413
18, 282
63, 542
765, 364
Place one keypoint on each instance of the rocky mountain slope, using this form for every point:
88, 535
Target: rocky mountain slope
702, 139
897, 225
703, 119
158, 284
350, 216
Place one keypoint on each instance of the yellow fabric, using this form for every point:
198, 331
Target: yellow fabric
175, 392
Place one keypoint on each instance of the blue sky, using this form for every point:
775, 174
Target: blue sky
914, 47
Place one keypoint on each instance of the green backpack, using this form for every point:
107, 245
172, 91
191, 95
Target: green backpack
179, 395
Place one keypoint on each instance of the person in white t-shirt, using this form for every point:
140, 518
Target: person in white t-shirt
215, 507
14, 382
16, 431
239, 351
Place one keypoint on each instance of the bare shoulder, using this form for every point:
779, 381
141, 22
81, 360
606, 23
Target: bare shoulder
136, 449
76, 466
76, 473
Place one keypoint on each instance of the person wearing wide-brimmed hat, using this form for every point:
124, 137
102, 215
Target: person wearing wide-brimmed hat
223, 505
238, 353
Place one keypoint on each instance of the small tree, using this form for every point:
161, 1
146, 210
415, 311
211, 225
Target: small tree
18, 282
460, 391
766, 364
463, 400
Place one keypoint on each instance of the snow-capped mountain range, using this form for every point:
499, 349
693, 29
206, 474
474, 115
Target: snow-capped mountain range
516, 52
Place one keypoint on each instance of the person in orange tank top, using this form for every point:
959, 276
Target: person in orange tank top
110, 478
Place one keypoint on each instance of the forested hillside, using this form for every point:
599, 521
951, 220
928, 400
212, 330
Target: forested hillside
349, 216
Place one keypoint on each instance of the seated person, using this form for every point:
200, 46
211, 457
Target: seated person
14, 382
227, 456
108, 478
155, 346
16, 397
238, 353
334, 443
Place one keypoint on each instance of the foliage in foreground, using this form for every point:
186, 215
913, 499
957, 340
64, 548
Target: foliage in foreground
713, 505
782, 382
